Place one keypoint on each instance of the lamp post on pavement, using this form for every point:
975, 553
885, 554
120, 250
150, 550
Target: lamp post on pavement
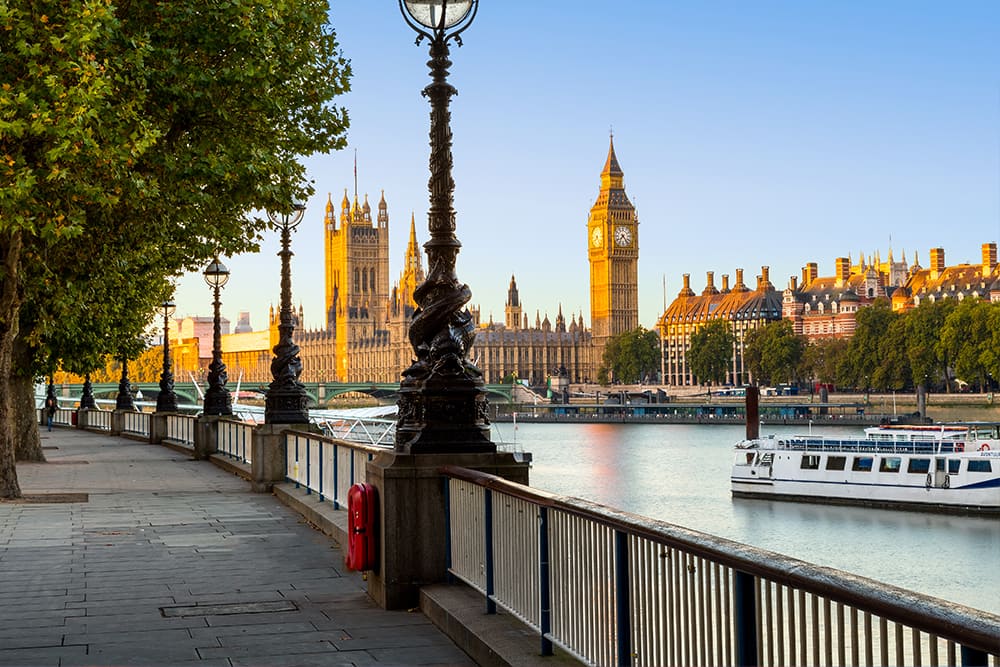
287, 401
87, 401
167, 400
217, 398
124, 401
442, 398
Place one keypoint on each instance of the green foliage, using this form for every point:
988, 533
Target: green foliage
925, 325
135, 142
632, 356
773, 353
820, 359
969, 337
711, 351
865, 352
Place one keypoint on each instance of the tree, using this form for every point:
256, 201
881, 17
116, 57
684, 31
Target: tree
711, 352
773, 352
967, 339
865, 351
632, 356
924, 325
135, 141
820, 359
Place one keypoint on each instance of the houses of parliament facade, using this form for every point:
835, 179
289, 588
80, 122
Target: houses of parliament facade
365, 338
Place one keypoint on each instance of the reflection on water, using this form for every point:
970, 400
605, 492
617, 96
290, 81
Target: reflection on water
680, 474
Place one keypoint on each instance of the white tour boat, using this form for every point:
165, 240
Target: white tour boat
946, 467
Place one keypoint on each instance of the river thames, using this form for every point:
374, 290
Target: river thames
680, 474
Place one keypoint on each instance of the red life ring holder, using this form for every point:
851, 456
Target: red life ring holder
984, 448
959, 446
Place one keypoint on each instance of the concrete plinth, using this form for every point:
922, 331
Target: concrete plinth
158, 427
267, 454
411, 523
206, 440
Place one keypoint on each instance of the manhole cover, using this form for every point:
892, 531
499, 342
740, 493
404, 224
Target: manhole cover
228, 609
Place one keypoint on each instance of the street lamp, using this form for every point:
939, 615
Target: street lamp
287, 401
124, 400
217, 399
167, 400
87, 401
442, 399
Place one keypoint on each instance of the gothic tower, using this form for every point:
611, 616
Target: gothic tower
512, 309
613, 242
357, 273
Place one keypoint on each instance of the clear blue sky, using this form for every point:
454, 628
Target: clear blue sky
750, 134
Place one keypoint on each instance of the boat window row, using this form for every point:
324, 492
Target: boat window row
917, 466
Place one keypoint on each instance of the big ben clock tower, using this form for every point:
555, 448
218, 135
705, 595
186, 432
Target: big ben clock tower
613, 242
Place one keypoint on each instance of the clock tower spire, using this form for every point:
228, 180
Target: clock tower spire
613, 242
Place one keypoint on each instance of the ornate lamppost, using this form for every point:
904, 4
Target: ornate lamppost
87, 401
287, 401
217, 398
124, 401
442, 399
167, 400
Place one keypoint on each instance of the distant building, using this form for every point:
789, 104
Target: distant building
741, 308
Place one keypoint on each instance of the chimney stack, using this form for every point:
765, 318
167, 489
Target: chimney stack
937, 262
793, 284
989, 259
842, 270
709, 284
809, 273
725, 282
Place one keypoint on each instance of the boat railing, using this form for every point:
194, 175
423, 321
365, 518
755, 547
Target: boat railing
833, 444
612, 588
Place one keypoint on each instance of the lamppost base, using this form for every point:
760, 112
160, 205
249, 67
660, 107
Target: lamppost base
284, 406
443, 417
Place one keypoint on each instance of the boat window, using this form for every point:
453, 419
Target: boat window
953, 465
836, 462
862, 464
919, 465
810, 462
980, 466
889, 464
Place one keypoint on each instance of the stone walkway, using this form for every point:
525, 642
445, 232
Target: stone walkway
170, 561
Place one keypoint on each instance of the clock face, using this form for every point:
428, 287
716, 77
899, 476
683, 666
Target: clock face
623, 236
596, 237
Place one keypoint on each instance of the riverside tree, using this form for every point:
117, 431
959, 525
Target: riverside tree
632, 356
773, 353
711, 351
135, 141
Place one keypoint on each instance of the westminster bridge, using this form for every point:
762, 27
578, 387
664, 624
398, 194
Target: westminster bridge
322, 394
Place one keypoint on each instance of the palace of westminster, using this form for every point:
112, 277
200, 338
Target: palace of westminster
365, 337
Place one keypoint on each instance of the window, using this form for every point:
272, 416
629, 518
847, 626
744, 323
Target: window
953, 465
890, 464
862, 464
810, 462
980, 466
836, 462
921, 466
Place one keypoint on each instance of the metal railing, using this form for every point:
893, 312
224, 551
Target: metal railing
612, 588
180, 428
99, 419
63, 417
136, 423
326, 466
235, 439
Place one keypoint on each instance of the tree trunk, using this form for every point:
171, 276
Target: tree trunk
10, 302
27, 443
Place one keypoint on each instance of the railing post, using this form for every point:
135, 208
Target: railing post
623, 633
321, 471
308, 467
336, 476
746, 619
446, 492
296, 468
544, 592
974, 658
491, 605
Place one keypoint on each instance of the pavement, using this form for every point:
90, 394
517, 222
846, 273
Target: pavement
126, 553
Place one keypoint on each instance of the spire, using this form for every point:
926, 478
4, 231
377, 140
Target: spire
612, 175
512, 296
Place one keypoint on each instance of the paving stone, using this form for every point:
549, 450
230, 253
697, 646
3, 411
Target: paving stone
90, 582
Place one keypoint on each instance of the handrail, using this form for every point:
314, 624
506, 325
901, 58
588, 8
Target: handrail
969, 627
